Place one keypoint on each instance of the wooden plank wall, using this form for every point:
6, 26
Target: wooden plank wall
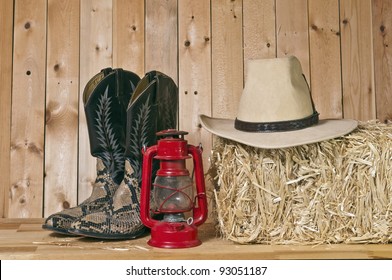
62, 85
50, 49
6, 27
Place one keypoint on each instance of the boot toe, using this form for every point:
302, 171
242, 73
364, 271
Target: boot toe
59, 223
106, 226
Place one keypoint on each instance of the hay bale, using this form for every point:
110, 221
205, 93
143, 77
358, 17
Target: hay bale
335, 191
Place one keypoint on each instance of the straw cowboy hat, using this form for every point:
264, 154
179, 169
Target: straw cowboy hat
276, 109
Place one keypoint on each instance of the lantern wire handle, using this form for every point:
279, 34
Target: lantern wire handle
201, 149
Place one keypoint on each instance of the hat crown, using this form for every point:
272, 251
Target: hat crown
275, 91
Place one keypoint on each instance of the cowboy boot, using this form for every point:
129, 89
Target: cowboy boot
153, 107
105, 99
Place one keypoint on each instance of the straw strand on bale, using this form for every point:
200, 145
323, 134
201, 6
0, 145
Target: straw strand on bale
335, 191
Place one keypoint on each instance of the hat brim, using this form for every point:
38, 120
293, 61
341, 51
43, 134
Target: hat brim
324, 130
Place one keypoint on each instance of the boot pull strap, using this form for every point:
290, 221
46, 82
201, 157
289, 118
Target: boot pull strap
106, 71
119, 82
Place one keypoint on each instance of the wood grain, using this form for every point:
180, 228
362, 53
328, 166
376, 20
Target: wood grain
128, 35
382, 36
62, 85
325, 63
161, 52
259, 24
6, 31
227, 57
195, 70
195, 75
357, 60
28, 110
293, 32
25, 239
95, 54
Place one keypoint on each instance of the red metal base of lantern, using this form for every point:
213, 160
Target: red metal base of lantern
174, 235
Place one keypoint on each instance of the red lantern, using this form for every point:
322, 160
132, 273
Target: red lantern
173, 192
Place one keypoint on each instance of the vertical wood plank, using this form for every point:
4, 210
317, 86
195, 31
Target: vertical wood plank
161, 49
357, 59
195, 70
195, 75
6, 28
28, 110
325, 64
259, 23
128, 35
95, 54
293, 32
382, 37
227, 57
61, 144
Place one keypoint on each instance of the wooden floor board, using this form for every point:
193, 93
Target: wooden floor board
25, 239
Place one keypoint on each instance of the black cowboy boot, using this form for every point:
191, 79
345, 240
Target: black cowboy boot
153, 107
105, 97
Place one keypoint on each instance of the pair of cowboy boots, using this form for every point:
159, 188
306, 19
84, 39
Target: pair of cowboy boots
123, 114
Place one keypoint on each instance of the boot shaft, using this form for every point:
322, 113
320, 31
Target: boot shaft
153, 107
106, 98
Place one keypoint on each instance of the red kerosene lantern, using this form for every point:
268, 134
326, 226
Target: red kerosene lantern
173, 192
